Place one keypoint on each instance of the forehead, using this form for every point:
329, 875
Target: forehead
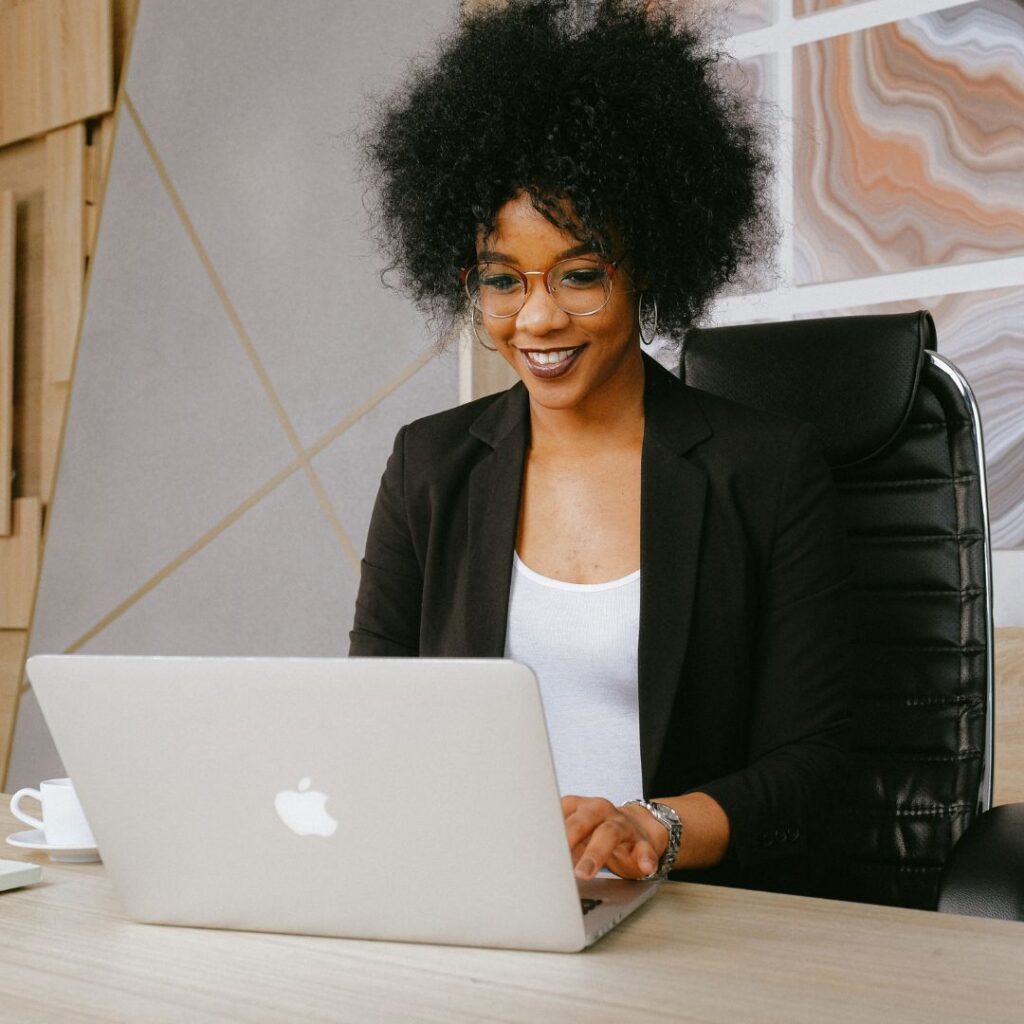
523, 234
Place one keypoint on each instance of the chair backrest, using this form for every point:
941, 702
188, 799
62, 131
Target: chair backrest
902, 434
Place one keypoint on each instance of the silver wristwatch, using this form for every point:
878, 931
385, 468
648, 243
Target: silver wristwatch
673, 826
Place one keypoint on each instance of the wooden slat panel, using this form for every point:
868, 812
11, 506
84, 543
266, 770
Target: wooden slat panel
19, 564
54, 400
92, 181
23, 170
63, 249
123, 15
8, 234
22, 167
13, 644
56, 65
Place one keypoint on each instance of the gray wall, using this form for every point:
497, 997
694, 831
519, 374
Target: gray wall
241, 371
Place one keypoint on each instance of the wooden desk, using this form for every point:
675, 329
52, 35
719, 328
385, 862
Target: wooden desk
695, 953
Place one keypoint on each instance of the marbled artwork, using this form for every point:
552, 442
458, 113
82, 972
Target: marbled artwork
756, 77
802, 7
746, 15
910, 144
720, 19
983, 333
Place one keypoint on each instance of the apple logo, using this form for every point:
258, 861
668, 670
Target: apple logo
303, 810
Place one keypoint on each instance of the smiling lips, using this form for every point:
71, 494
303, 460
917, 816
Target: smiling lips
551, 363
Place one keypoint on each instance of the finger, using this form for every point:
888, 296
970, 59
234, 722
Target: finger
605, 838
633, 861
588, 815
643, 859
576, 852
570, 803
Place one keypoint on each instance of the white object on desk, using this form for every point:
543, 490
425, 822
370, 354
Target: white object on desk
186, 767
63, 819
35, 839
15, 873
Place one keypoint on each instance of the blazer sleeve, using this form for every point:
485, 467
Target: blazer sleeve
388, 606
800, 708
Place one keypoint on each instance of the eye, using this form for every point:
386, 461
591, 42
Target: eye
499, 282
583, 277
498, 279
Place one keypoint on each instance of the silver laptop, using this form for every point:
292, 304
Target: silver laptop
374, 798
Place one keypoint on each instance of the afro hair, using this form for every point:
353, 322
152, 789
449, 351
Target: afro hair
614, 116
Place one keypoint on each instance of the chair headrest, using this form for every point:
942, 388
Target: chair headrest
854, 377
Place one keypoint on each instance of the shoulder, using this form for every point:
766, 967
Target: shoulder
746, 428
754, 461
447, 444
450, 424
760, 458
731, 431
454, 426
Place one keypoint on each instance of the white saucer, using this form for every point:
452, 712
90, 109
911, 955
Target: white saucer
35, 839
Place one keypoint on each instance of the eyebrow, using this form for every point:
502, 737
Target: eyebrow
583, 249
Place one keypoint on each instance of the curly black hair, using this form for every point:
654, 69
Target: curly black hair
612, 115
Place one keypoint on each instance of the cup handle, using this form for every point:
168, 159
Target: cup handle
22, 815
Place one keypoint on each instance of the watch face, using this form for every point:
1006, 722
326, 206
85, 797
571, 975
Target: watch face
667, 811
666, 816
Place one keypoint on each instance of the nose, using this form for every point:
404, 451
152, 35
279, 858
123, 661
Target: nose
540, 313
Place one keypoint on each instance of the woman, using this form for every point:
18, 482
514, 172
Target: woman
669, 564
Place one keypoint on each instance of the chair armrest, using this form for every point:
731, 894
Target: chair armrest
984, 876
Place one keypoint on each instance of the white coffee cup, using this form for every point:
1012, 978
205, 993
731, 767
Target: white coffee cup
63, 821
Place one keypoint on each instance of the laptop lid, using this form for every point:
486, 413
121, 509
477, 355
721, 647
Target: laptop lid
407, 799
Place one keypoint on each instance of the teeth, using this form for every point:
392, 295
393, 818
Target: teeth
549, 358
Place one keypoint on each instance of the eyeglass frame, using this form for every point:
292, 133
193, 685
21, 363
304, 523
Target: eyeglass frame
612, 265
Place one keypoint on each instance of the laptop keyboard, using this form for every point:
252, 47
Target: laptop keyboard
588, 905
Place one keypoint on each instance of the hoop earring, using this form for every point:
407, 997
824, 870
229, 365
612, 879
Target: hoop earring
647, 337
473, 320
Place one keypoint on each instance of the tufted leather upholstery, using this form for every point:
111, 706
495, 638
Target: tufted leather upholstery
985, 875
898, 431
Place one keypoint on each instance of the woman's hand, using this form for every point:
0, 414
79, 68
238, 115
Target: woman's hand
627, 840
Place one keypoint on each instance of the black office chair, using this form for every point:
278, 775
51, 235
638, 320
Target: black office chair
902, 434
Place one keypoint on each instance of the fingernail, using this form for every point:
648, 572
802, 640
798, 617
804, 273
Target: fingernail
648, 865
585, 868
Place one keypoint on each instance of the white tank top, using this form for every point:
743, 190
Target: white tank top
581, 641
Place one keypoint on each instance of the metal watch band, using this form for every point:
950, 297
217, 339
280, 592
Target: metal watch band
673, 826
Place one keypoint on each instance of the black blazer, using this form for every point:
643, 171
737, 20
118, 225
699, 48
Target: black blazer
742, 682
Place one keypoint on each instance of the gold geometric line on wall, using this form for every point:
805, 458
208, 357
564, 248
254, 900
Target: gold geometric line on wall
333, 519
243, 336
194, 548
361, 410
258, 495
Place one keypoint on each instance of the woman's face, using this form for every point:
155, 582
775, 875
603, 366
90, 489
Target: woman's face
597, 354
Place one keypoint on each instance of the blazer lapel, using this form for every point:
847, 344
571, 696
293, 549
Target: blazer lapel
673, 496
495, 485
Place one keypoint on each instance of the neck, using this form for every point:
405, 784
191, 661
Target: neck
612, 417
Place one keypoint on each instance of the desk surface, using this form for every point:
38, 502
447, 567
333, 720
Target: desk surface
694, 953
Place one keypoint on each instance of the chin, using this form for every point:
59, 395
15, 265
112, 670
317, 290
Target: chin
567, 395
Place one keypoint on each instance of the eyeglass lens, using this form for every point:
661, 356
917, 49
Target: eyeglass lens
579, 286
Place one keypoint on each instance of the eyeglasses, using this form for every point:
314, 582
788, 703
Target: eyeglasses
580, 286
